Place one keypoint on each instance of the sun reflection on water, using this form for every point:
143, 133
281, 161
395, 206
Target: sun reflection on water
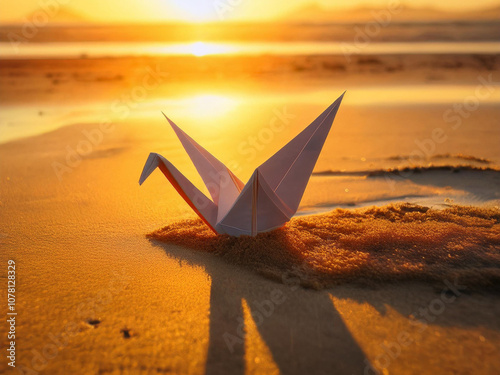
203, 49
211, 105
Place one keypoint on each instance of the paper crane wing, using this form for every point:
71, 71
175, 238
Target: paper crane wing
271, 196
211, 170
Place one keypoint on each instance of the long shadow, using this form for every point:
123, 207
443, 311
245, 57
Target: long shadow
304, 332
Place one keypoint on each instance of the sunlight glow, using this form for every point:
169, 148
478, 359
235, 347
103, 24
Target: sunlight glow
199, 11
258, 356
209, 105
203, 49
195, 10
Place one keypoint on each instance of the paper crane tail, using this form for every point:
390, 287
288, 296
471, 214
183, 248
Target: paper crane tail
268, 200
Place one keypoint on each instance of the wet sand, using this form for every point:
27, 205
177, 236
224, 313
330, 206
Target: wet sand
47, 80
96, 295
86, 266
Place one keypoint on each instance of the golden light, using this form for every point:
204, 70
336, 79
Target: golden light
196, 11
199, 49
209, 105
203, 49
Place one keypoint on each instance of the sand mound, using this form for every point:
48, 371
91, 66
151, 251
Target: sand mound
380, 244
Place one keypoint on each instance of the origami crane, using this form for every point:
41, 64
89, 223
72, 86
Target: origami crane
270, 197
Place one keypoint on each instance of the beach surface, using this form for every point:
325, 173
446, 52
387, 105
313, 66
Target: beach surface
115, 278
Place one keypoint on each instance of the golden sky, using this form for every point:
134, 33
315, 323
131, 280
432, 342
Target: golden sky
204, 10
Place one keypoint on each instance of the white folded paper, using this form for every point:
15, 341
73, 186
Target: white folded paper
270, 197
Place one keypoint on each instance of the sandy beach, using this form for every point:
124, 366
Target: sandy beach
183, 309
391, 266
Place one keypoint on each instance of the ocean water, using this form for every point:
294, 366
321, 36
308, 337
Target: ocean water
376, 127
387, 142
55, 50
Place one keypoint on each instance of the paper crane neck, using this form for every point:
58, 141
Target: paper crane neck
270, 197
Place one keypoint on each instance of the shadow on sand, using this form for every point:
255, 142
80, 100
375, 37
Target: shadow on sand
304, 332
301, 328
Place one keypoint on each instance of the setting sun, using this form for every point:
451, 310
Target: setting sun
181, 190
203, 49
196, 11
199, 49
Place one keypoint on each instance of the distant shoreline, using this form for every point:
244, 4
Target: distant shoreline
394, 31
